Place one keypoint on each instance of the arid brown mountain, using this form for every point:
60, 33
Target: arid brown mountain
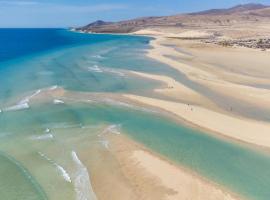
97, 24
233, 10
210, 19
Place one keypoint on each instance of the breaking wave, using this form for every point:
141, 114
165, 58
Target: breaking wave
58, 101
20, 106
82, 182
48, 136
61, 170
53, 87
23, 104
98, 56
28, 98
63, 125
95, 68
123, 104
105, 143
115, 129
119, 73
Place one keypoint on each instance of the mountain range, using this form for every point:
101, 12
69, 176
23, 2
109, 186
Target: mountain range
214, 18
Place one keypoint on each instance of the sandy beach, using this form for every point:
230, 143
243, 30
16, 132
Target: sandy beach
142, 174
201, 109
139, 173
236, 128
169, 103
215, 97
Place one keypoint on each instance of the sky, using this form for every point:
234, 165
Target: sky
73, 13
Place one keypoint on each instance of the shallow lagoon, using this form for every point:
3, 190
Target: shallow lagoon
38, 145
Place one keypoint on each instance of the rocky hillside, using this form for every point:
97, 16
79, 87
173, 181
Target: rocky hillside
241, 14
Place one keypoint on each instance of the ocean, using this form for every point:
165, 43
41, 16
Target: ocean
41, 137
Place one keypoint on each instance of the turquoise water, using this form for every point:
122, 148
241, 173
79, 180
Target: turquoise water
40, 143
74, 67
21, 185
240, 169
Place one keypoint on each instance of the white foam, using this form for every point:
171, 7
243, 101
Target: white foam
63, 172
123, 104
43, 137
114, 72
98, 56
90, 127
24, 103
105, 143
95, 68
18, 107
63, 125
113, 129
57, 101
82, 181
119, 103
53, 87
28, 98
76, 158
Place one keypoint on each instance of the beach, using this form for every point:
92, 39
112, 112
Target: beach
235, 86
149, 176
138, 117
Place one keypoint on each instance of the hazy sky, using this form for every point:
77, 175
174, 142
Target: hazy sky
64, 13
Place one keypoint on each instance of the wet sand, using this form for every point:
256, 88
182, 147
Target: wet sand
131, 169
243, 110
137, 173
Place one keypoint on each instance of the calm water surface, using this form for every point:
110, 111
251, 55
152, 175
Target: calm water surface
39, 142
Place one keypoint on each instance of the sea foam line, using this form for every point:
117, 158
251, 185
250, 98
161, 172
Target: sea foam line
58, 101
119, 73
48, 136
28, 98
117, 103
63, 125
123, 104
105, 143
95, 68
82, 181
63, 172
53, 87
114, 128
98, 56
20, 106
23, 104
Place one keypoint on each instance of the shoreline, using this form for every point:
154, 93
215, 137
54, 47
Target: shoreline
144, 158
137, 163
132, 163
137, 160
234, 124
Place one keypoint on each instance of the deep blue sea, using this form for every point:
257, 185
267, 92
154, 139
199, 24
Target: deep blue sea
56, 110
39, 58
21, 42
